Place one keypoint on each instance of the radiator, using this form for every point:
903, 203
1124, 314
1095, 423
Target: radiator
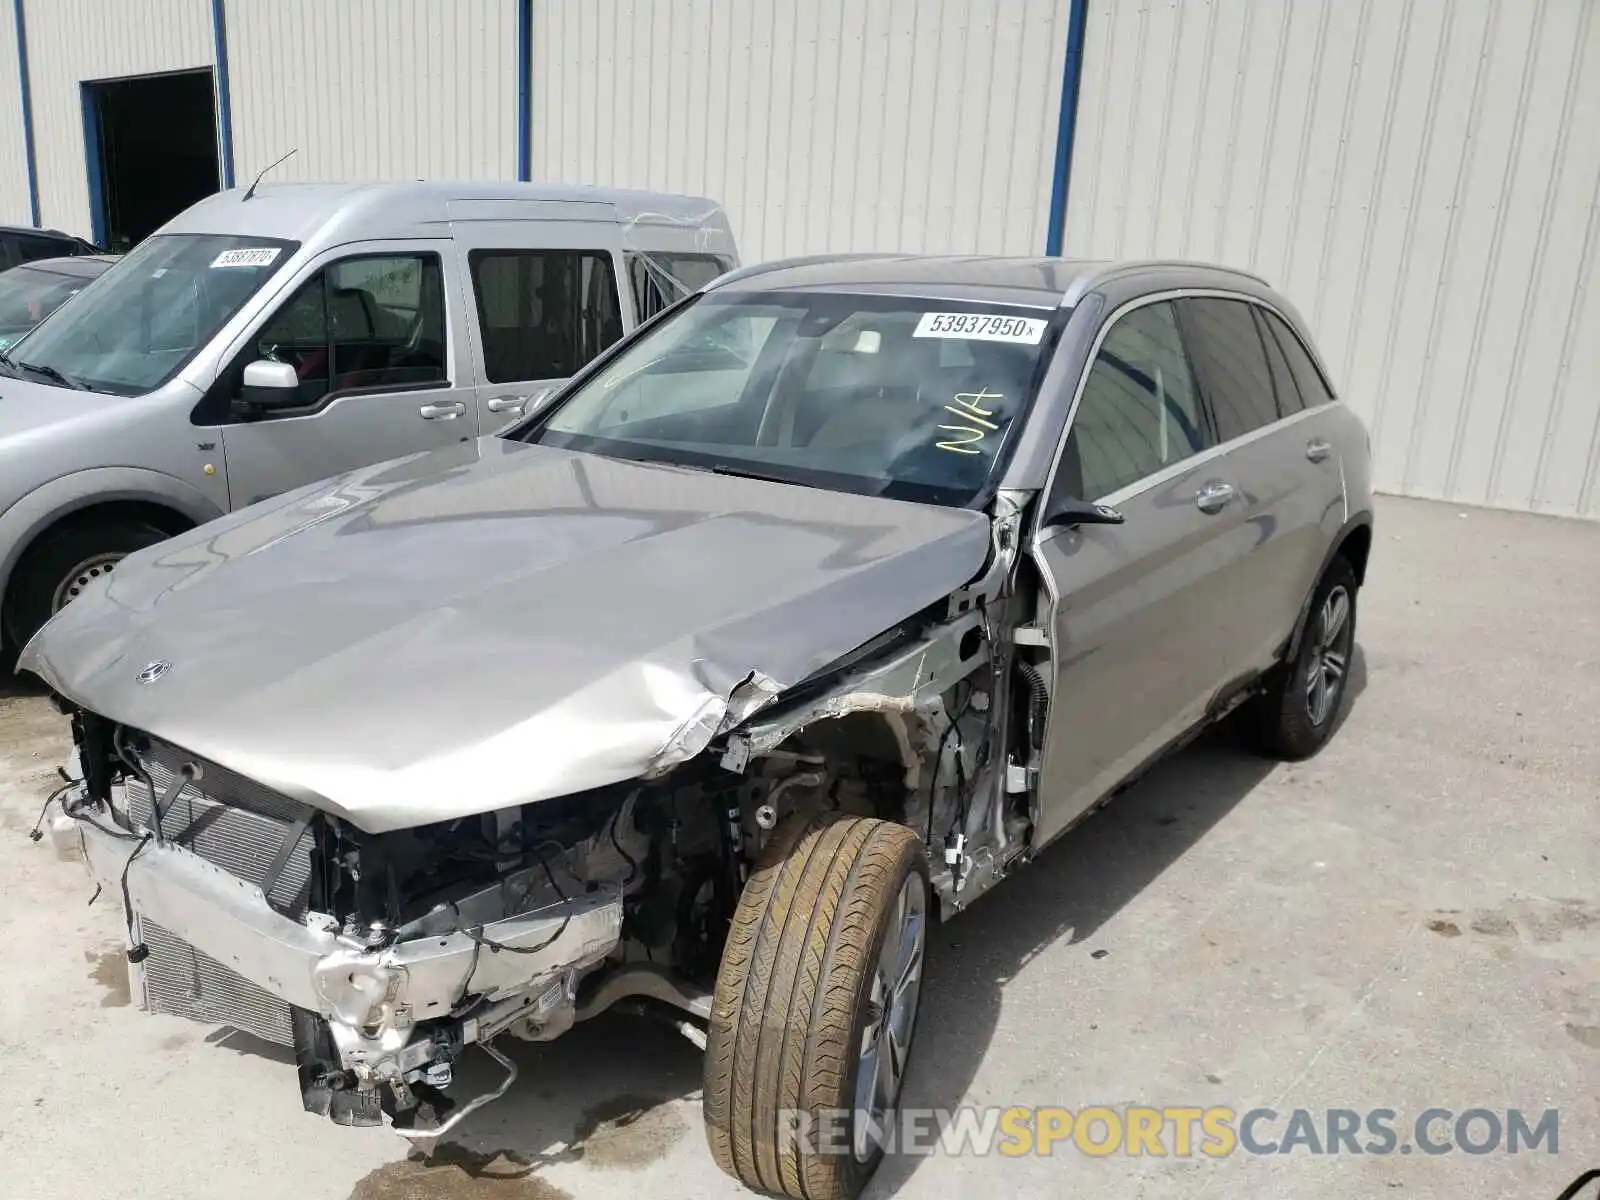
239, 826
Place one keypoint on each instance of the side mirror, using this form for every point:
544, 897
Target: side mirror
266, 386
1065, 513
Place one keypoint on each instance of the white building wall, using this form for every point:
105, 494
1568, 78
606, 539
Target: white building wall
823, 125
374, 89
70, 41
13, 157
1418, 176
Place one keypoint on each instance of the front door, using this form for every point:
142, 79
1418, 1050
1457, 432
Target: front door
376, 346
1132, 606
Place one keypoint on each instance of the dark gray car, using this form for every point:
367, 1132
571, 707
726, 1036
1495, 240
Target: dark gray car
30, 293
822, 602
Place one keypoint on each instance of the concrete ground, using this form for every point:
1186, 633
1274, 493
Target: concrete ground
1411, 920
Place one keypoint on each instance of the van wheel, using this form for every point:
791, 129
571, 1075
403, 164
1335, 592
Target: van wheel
66, 560
816, 1005
1296, 714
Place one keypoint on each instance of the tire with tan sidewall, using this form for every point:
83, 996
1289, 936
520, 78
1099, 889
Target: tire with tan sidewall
792, 998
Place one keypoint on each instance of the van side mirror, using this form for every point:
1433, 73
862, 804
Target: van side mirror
267, 386
1067, 512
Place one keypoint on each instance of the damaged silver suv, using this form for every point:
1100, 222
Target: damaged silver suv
804, 615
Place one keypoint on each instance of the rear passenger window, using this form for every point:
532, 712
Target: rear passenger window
31, 248
660, 279
543, 314
1230, 358
362, 324
1313, 388
1140, 410
1284, 388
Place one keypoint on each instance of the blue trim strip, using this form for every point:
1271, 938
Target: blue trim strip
91, 150
219, 34
27, 113
1071, 77
524, 89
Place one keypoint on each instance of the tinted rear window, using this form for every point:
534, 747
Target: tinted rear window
1231, 359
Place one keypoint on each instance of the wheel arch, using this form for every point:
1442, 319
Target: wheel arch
1354, 543
163, 501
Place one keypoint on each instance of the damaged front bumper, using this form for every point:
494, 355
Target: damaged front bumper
397, 1011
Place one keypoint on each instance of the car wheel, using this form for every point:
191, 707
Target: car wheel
62, 564
815, 1007
1296, 714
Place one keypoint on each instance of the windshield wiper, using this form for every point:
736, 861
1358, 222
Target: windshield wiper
52, 374
744, 473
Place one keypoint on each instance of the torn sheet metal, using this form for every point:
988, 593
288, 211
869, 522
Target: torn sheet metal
494, 624
906, 688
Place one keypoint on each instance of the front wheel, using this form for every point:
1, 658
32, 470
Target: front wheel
815, 1007
63, 563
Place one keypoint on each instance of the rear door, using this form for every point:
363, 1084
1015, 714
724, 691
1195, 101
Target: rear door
543, 301
1286, 498
375, 340
1134, 608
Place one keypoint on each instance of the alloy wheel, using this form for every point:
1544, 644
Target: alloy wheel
886, 1039
1328, 657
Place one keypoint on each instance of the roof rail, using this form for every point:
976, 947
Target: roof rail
1090, 280
779, 264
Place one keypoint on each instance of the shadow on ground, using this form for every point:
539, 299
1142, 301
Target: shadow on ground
609, 1093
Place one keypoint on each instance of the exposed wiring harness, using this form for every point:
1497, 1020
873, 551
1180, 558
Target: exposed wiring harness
494, 947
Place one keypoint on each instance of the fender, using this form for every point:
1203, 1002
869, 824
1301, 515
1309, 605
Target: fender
66, 494
1362, 519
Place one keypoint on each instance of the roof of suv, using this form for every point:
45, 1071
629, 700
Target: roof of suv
1039, 282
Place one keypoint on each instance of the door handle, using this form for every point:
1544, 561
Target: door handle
1318, 449
1213, 496
442, 412
507, 404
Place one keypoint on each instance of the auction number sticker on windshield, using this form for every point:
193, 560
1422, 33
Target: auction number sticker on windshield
254, 256
981, 327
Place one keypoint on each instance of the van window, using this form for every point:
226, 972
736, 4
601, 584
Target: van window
152, 312
543, 314
362, 323
661, 279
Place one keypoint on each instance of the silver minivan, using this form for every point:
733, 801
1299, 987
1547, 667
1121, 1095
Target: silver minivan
274, 336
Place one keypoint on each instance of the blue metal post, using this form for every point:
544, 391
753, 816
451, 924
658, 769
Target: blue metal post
219, 34
1071, 76
27, 112
524, 89
91, 150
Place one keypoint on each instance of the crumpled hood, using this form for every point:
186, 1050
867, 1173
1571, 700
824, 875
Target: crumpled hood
493, 623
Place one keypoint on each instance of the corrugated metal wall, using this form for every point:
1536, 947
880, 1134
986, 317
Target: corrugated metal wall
74, 40
821, 124
374, 89
13, 160
1419, 176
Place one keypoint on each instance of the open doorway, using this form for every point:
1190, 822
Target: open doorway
152, 146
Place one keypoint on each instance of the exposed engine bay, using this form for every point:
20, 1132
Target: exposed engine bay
382, 956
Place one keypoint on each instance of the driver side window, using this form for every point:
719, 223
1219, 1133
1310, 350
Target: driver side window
362, 324
1140, 409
